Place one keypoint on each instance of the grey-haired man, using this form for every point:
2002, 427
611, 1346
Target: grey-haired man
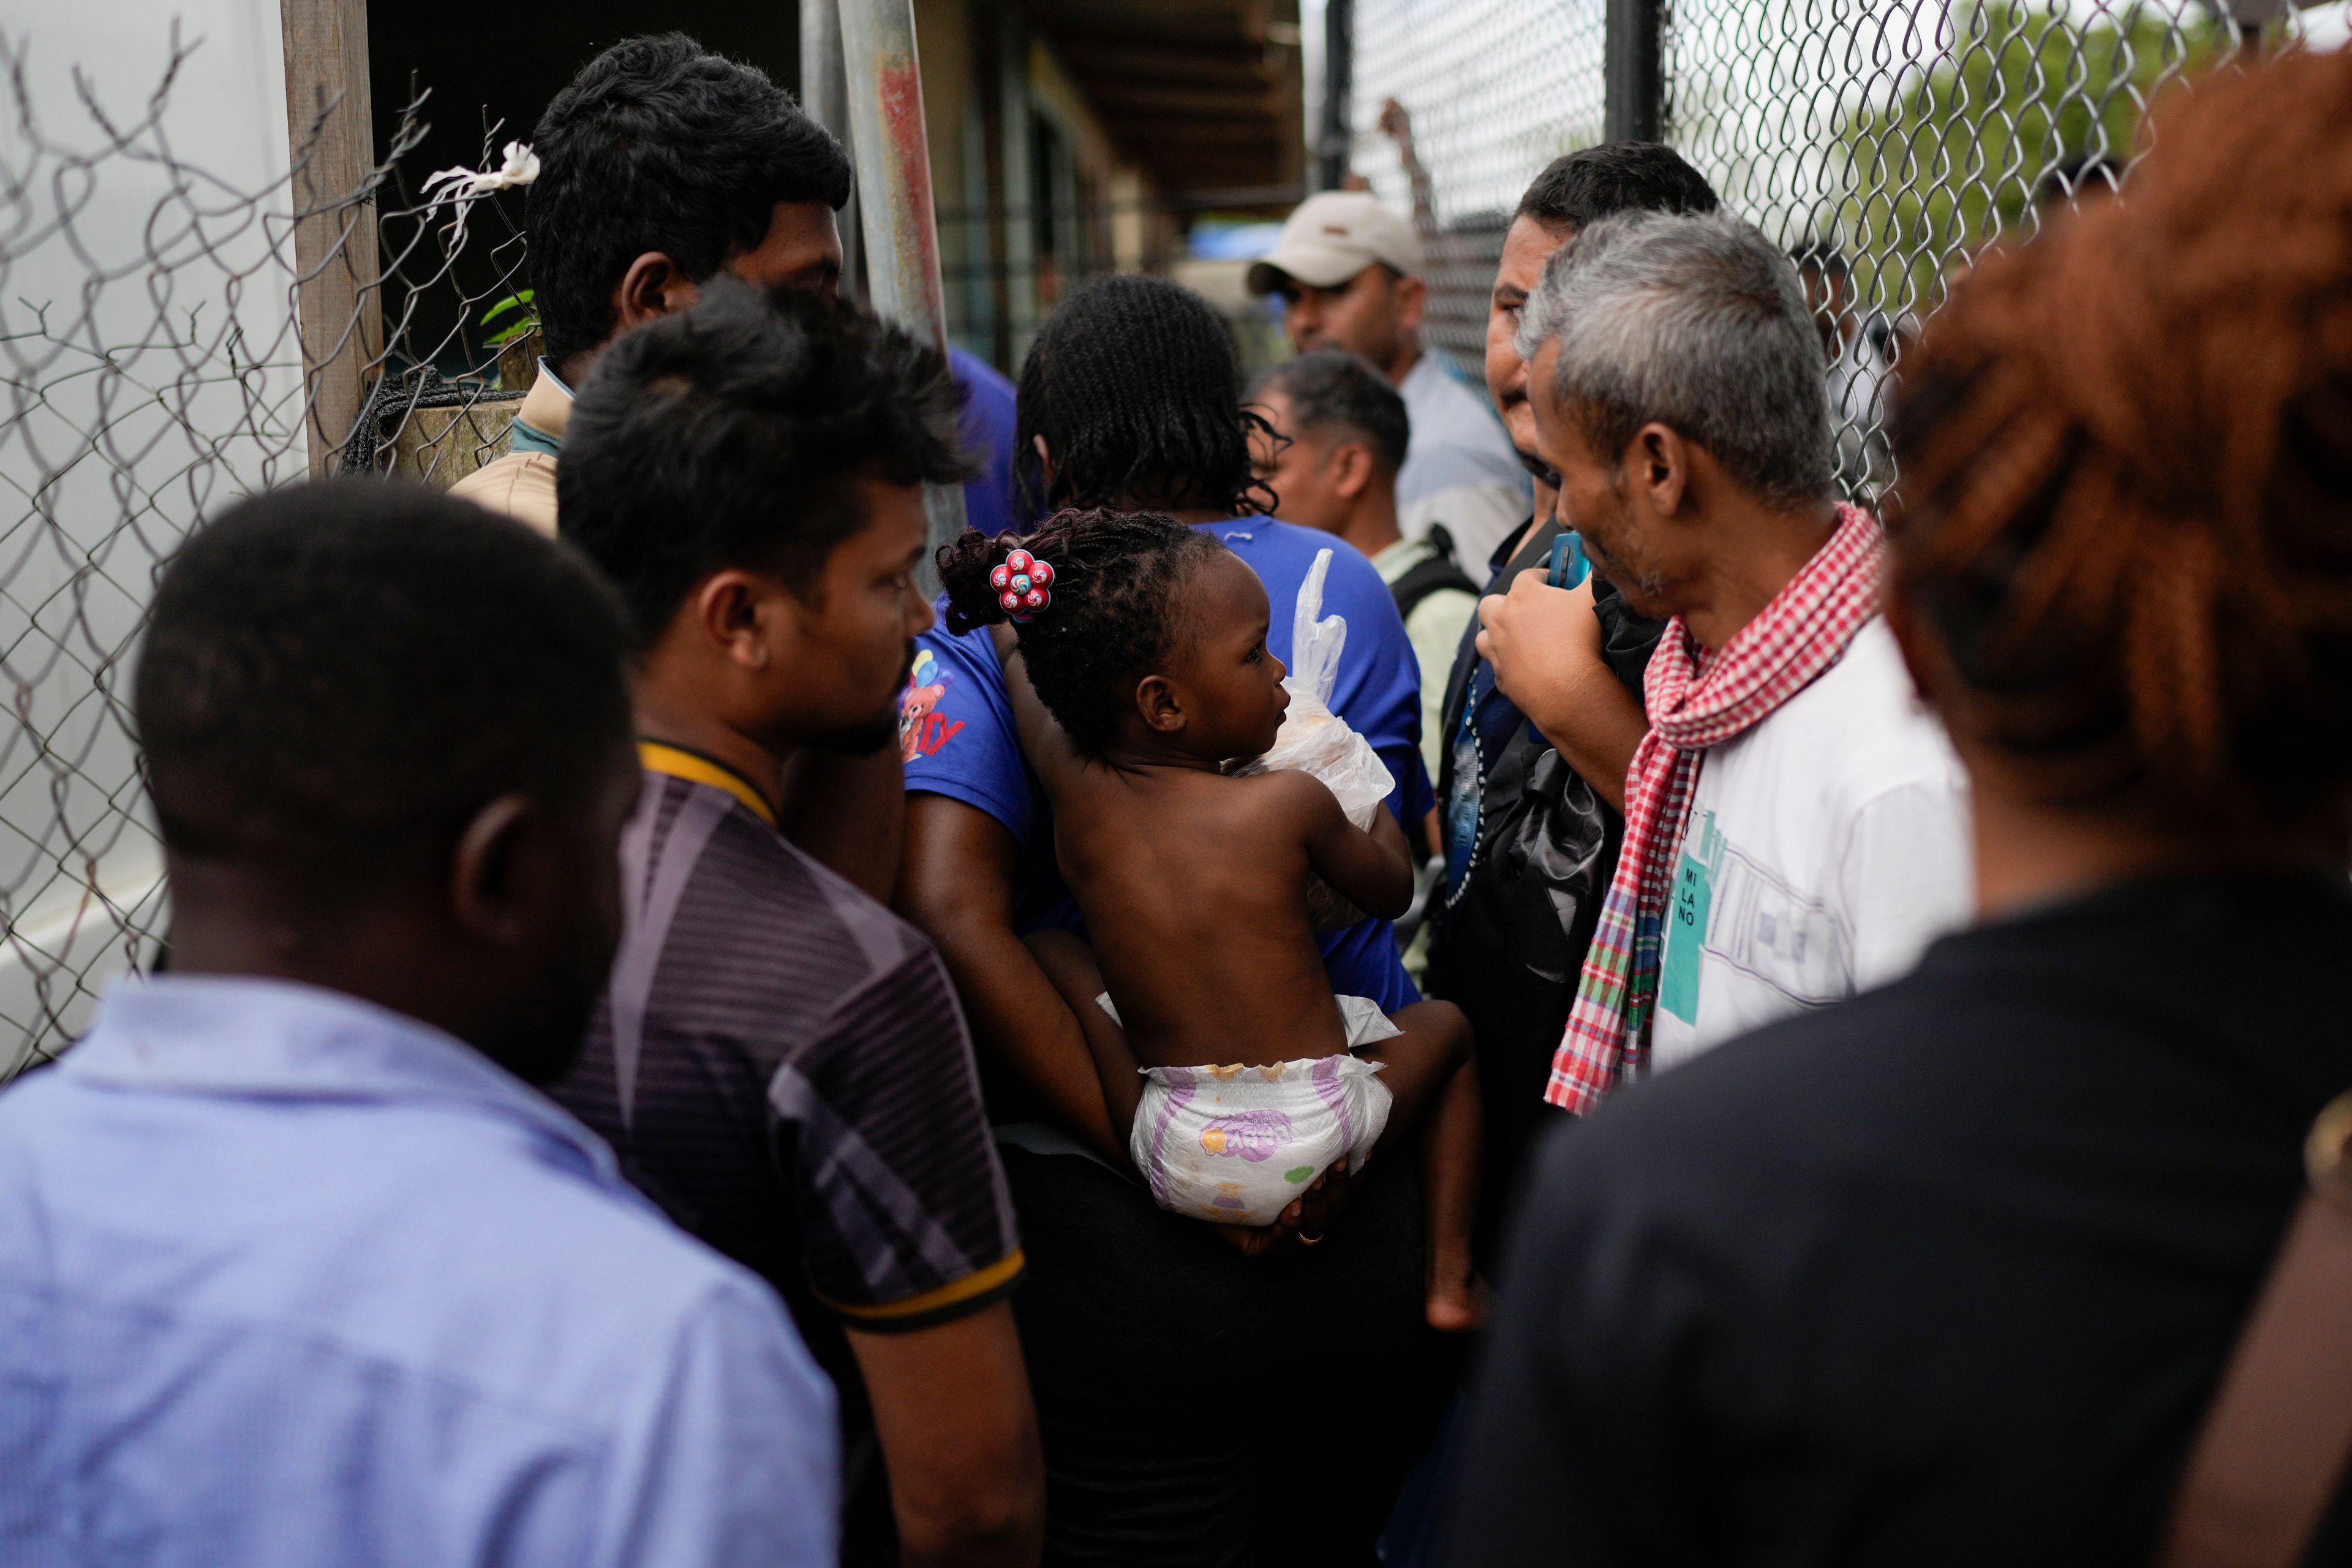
1795, 826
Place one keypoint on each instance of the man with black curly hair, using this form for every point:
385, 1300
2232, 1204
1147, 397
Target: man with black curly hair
663, 165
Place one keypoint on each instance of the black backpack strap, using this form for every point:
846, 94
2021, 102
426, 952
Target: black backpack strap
1434, 575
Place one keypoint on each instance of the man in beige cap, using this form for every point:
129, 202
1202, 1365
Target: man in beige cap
1348, 271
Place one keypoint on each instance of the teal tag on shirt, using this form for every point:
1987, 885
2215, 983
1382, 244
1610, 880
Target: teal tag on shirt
1689, 901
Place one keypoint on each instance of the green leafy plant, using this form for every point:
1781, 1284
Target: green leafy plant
521, 327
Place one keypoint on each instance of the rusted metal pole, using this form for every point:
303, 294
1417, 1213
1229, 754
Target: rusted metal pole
824, 94
894, 194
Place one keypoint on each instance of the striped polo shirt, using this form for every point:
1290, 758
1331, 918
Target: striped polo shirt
780, 1063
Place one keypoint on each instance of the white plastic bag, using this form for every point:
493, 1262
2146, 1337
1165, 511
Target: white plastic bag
1313, 739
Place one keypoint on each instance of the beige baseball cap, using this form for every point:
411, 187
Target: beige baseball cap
1332, 235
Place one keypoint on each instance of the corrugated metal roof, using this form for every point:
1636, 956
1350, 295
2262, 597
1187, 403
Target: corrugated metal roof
1205, 94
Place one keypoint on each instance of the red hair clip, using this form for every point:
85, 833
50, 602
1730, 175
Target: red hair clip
1021, 581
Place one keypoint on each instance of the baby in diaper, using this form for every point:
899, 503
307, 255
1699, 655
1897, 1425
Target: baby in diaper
1137, 666
1235, 1143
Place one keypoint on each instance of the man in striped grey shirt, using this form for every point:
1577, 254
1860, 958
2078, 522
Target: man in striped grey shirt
779, 1062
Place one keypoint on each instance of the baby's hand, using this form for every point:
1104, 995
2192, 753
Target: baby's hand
1325, 909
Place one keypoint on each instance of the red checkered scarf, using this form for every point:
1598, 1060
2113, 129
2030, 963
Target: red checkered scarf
1695, 701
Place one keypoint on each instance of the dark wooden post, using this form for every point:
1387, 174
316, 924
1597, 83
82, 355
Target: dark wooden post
330, 131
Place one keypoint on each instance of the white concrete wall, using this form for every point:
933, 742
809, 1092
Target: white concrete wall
174, 309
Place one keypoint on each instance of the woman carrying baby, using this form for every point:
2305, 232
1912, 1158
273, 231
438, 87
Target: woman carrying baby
1235, 1075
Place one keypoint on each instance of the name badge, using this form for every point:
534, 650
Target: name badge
1690, 899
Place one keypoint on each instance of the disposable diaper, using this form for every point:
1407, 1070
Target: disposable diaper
1237, 1144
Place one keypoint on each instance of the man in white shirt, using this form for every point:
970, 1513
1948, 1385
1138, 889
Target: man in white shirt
1796, 825
1826, 848
1348, 270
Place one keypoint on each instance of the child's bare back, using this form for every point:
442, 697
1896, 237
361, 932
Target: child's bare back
1194, 885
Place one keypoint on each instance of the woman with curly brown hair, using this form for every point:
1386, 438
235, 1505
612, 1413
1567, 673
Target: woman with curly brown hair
1948, 1273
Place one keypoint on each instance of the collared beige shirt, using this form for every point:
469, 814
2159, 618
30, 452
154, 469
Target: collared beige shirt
523, 484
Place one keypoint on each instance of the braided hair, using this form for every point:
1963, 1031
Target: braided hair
1133, 383
2124, 520
1114, 615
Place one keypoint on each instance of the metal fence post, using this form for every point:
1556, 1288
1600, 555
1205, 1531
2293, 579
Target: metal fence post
824, 94
893, 187
330, 133
1633, 69
1335, 138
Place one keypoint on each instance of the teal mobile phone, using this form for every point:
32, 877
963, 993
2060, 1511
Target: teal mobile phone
1567, 564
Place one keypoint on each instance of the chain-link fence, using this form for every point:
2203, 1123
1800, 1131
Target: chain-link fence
1457, 104
179, 327
185, 317
1881, 140
156, 367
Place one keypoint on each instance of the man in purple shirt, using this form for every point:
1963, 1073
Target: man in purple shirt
779, 1060
985, 428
